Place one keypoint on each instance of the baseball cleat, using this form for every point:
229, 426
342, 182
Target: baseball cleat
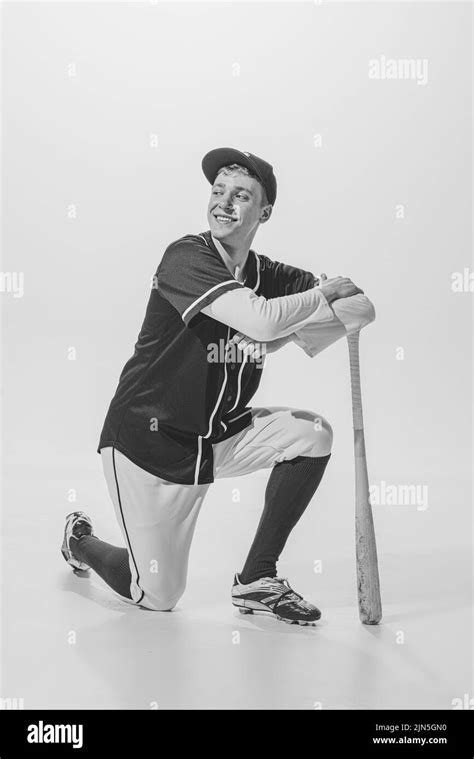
77, 524
273, 595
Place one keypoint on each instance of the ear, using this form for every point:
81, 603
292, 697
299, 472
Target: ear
265, 214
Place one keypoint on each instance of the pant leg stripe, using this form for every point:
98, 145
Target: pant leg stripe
125, 528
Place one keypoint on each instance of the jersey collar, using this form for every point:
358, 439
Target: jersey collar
252, 279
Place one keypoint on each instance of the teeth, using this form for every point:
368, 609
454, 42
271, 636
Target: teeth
224, 219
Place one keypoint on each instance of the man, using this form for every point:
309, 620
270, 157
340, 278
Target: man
181, 417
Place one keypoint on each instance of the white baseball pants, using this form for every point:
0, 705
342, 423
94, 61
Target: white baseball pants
157, 518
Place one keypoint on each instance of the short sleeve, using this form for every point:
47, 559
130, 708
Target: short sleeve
191, 275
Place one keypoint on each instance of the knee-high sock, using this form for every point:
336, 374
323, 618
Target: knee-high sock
110, 562
289, 490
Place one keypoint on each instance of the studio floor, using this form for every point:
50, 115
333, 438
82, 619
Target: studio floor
69, 642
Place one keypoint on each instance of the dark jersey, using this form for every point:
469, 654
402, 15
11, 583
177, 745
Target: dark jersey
181, 392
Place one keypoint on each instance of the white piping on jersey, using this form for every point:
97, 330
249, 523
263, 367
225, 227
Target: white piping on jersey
209, 431
201, 297
224, 425
239, 378
220, 394
198, 461
238, 417
258, 272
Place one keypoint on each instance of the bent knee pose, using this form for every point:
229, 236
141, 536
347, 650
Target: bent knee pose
181, 415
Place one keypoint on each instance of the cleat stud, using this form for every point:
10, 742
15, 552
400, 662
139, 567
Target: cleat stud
243, 610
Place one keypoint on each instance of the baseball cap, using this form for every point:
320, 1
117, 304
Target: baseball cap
216, 159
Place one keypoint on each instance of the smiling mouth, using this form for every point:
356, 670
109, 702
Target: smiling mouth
224, 219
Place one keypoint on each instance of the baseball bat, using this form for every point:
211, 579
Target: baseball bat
368, 584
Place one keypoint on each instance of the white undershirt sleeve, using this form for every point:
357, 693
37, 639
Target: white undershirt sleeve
265, 319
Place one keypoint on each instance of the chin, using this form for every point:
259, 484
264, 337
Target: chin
218, 230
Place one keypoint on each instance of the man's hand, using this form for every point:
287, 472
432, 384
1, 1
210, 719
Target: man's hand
248, 346
257, 351
337, 287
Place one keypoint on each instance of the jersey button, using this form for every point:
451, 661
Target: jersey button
229, 398
232, 366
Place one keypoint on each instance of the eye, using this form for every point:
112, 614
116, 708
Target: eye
216, 192
243, 197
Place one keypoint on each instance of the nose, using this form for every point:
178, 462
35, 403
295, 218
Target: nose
226, 202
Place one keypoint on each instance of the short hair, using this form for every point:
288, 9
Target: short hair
232, 167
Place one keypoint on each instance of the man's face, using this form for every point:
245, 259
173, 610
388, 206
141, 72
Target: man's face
235, 207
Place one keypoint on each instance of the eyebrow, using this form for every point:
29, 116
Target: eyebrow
246, 189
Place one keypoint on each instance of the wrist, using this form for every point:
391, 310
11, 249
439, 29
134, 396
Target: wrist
328, 292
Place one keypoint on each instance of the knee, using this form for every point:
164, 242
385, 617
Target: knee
162, 601
162, 604
323, 436
165, 606
315, 434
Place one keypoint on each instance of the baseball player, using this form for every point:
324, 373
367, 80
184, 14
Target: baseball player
181, 414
